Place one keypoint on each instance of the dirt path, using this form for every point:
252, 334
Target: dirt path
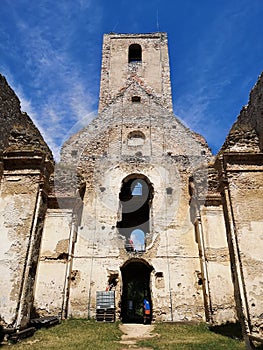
132, 333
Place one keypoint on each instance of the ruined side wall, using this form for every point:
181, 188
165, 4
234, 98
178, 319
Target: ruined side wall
210, 233
245, 189
25, 165
17, 130
240, 168
18, 198
246, 134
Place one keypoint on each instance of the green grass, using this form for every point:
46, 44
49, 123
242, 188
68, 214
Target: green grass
79, 334
190, 337
75, 334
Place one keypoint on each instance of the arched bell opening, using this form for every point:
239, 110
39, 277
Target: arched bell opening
135, 53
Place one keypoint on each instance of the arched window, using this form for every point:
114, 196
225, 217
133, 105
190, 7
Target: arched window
135, 53
138, 239
135, 202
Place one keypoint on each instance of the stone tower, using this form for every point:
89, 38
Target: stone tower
135, 60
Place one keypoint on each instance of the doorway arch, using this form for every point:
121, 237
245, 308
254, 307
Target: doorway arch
135, 288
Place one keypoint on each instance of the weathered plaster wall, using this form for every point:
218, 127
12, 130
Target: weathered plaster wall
246, 191
50, 291
221, 290
25, 165
241, 176
17, 206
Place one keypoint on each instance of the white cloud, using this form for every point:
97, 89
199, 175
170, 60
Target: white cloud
58, 94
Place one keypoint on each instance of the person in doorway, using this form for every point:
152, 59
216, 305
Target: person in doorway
146, 310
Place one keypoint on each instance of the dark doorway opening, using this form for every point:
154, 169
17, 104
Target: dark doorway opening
135, 288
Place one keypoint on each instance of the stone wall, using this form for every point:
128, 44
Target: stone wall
246, 135
208, 218
241, 176
242, 194
26, 163
17, 130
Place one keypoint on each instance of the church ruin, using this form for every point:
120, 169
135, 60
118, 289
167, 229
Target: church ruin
137, 205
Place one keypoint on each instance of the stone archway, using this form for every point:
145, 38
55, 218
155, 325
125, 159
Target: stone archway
134, 215
135, 287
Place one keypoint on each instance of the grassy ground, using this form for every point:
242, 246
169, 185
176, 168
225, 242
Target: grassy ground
73, 335
86, 335
190, 337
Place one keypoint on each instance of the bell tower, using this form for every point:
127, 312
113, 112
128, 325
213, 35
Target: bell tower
135, 59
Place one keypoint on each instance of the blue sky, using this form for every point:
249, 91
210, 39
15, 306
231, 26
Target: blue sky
50, 53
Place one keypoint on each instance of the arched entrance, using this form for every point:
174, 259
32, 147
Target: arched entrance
135, 288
